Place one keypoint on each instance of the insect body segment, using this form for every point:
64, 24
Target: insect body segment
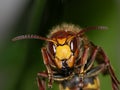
91, 83
70, 59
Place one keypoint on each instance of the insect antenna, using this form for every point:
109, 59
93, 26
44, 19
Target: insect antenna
21, 37
91, 28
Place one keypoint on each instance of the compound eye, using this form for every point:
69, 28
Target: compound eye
73, 45
52, 48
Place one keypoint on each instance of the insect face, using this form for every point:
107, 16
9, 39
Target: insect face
64, 48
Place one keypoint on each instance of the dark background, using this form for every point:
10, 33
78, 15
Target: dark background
21, 60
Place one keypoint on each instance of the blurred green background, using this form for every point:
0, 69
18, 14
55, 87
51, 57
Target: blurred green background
20, 61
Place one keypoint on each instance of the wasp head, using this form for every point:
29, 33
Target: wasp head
63, 48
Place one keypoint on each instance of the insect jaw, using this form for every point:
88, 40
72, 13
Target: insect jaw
65, 63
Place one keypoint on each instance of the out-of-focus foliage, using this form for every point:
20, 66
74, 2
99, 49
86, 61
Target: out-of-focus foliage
21, 60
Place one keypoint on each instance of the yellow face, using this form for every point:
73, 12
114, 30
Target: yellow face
63, 48
63, 53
